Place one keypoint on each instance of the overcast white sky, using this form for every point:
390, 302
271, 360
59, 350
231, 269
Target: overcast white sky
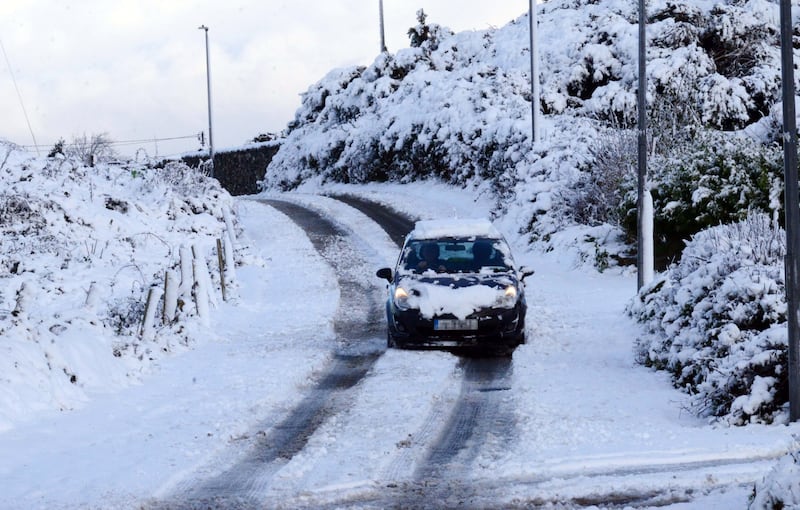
136, 68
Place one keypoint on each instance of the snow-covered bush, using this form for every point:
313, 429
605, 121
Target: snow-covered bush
397, 120
425, 35
711, 178
600, 190
740, 38
81, 248
780, 489
716, 321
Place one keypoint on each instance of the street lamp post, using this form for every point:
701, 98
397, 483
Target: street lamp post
208, 89
641, 229
534, 72
383, 37
791, 197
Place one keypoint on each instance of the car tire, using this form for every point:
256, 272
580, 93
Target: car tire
506, 352
391, 343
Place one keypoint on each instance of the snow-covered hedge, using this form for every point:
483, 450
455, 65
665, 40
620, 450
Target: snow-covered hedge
780, 489
80, 249
701, 178
716, 321
459, 109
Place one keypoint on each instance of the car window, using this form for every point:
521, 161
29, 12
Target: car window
455, 256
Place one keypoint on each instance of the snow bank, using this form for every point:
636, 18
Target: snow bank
82, 247
781, 487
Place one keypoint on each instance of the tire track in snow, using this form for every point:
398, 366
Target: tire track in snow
481, 423
612, 486
396, 225
437, 470
480, 412
480, 426
358, 327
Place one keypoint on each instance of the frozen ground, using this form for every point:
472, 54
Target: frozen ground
587, 425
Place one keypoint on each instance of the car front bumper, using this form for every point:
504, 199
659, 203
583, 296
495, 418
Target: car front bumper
496, 328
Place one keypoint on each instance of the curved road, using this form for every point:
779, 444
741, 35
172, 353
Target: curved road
479, 412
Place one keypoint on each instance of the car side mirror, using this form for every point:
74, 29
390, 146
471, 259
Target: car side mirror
525, 272
385, 273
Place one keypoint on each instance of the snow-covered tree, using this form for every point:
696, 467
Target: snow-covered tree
92, 149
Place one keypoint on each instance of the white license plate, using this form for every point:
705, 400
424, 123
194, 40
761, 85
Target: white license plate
455, 325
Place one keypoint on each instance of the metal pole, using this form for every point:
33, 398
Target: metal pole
642, 145
208, 89
383, 38
792, 207
534, 51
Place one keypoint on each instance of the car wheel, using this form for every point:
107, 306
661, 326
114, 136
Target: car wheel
390, 341
506, 352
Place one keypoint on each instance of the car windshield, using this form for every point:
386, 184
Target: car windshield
475, 255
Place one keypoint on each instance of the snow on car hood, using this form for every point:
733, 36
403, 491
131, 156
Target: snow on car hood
459, 296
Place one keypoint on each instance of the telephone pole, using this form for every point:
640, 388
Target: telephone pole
534, 71
643, 249
208, 89
791, 197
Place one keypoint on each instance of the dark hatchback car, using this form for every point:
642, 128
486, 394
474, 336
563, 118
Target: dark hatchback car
455, 286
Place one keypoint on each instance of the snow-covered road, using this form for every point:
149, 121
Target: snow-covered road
571, 418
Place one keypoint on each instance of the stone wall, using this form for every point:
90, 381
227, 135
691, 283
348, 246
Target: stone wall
239, 170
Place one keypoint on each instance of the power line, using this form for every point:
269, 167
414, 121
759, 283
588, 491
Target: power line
151, 140
123, 142
19, 95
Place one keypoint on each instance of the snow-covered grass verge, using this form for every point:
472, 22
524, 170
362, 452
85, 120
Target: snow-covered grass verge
781, 487
81, 247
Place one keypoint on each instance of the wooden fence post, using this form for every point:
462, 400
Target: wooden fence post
226, 215
171, 291
187, 278
221, 262
148, 324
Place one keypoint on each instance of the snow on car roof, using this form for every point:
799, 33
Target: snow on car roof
435, 229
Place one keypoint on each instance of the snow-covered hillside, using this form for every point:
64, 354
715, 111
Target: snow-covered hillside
81, 247
457, 106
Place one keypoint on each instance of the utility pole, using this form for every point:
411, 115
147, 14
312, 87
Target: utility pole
534, 71
791, 197
208, 89
383, 37
642, 148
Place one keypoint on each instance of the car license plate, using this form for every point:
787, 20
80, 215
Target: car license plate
455, 324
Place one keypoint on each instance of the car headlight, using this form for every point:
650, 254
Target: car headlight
401, 298
508, 299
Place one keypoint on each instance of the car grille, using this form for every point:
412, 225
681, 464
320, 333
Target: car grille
489, 323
